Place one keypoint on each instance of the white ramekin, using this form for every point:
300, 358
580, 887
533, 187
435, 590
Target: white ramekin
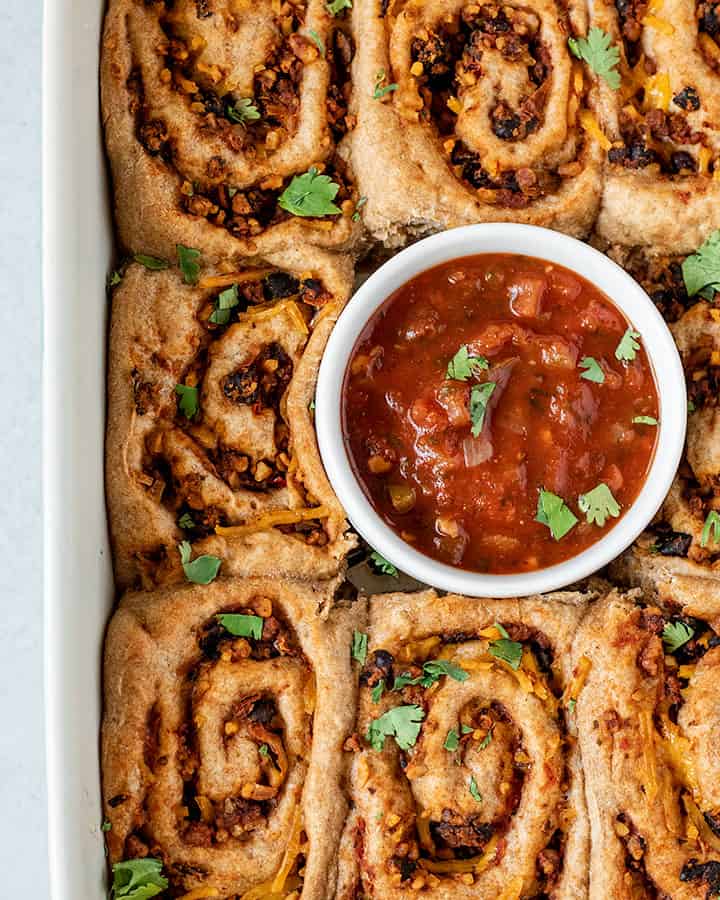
625, 293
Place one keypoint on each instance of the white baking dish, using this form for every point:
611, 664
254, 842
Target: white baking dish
78, 251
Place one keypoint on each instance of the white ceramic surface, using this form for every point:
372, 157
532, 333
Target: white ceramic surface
78, 586
531, 241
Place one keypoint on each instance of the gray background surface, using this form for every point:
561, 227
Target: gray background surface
23, 842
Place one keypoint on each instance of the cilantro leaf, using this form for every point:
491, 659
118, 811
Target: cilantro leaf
553, 512
675, 634
154, 263
317, 40
572, 703
358, 206
244, 110
138, 879
202, 570
114, 278
186, 521
241, 625
337, 6
402, 722
465, 365
474, 792
310, 194
382, 565
264, 750
711, 529
599, 53
106, 826
644, 420
701, 270
189, 400
452, 741
502, 631
598, 504
479, 397
485, 742
593, 370
433, 670
188, 262
628, 346
508, 651
359, 647
378, 691
225, 302
380, 90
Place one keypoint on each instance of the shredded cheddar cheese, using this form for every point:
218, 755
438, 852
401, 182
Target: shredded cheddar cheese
647, 733
590, 124
218, 281
474, 864
661, 25
271, 520
200, 893
657, 92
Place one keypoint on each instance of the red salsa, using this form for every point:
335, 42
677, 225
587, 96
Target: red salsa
500, 412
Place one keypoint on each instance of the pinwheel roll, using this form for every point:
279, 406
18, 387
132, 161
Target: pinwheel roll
210, 437
648, 724
465, 782
472, 112
662, 187
211, 109
226, 707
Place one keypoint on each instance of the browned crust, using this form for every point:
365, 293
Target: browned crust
151, 642
155, 312
426, 196
377, 787
148, 216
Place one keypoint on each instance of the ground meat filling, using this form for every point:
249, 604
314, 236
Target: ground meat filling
260, 384
456, 836
206, 822
456, 49
255, 127
653, 136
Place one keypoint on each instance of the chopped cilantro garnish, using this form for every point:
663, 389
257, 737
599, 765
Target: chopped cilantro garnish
380, 89
264, 750
244, 110
382, 565
452, 741
378, 691
202, 570
691, 407
701, 270
598, 51
317, 40
465, 365
479, 398
106, 826
189, 264
508, 651
593, 370
186, 521
553, 512
433, 670
402, 723
645, 420
224, 303
114, 278
138, 879
572, 702
675, 634
628, 347
311, 195
359, 647
189, 400
337, 6
485, 742
154, 263
598, 504
474, 792
241, 625
711, 529
358, 206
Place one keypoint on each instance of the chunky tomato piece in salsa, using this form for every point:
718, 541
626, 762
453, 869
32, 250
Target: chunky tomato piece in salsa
501, 413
